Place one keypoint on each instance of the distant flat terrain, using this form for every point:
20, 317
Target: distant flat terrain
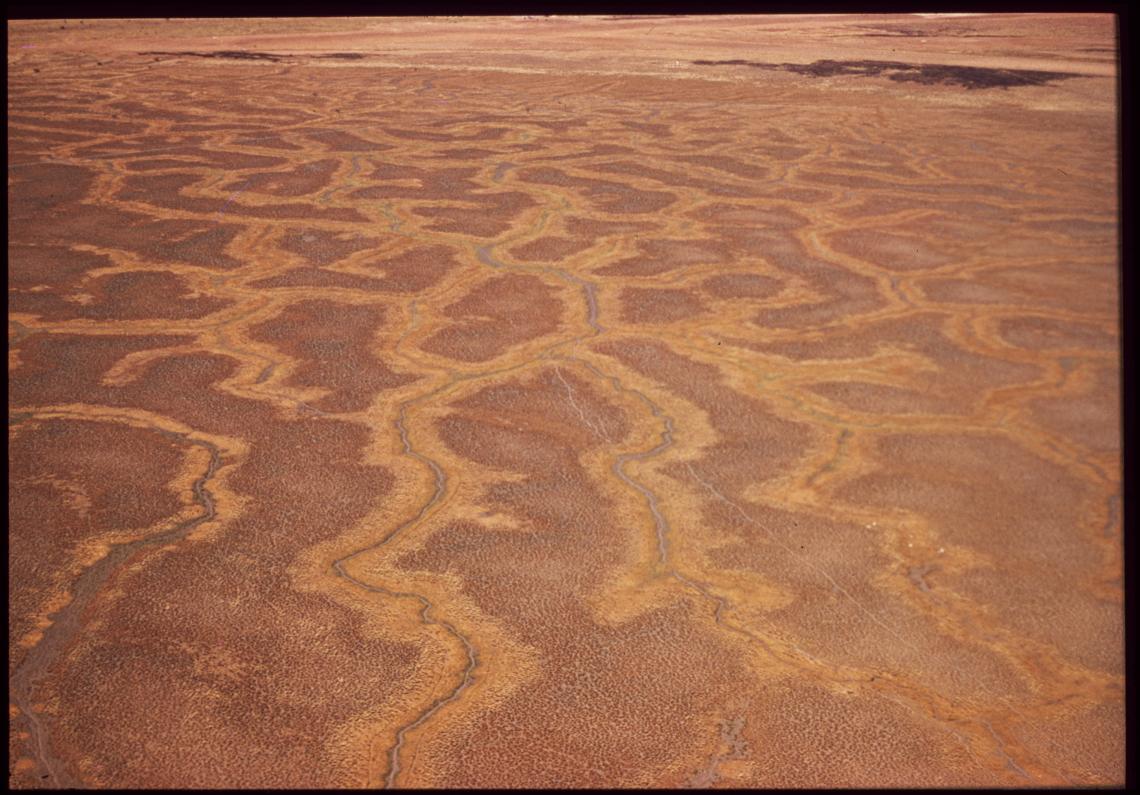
564, 402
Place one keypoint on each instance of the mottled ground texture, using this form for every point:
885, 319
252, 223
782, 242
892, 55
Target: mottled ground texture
564, 402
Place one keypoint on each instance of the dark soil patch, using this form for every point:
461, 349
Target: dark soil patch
969, 77
243, 55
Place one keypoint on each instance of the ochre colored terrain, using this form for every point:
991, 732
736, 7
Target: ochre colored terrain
563, 402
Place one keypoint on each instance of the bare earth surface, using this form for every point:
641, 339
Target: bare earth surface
564, 402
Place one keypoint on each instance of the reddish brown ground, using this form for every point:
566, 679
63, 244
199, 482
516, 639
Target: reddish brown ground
720, 401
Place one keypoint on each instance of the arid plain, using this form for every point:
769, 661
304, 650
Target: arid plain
725, 401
